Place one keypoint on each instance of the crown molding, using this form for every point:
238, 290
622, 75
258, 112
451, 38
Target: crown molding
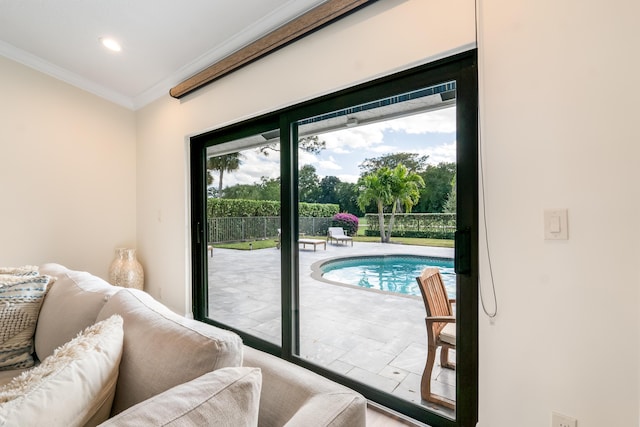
25, 58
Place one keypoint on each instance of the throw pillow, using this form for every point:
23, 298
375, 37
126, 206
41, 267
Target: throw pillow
73, 387
70, 306
25, 270
227, 397
21, 297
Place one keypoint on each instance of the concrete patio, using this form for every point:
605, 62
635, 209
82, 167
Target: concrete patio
377, 338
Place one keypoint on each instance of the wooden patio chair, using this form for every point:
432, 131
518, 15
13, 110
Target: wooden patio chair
441, 330
337, 234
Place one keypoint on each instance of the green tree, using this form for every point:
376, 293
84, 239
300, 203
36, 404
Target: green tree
347, 194
266, 189
389, 188
451, 204
270, 189
308, 184
412, 161
242, 191
225, 163
437, 186
328, 190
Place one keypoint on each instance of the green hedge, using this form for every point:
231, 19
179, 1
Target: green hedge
318, 210
221, 208
422, 225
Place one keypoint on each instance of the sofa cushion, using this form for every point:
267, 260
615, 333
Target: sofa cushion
70, 306
21, 297
226, 397
163, 349
73, 387
296, 397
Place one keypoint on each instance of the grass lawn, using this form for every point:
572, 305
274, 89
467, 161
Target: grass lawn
362, 225
246, 246
271, 243
416, 241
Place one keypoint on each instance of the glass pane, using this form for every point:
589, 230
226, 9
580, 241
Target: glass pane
243, 228
377, 206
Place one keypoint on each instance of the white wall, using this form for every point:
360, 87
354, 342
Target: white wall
558, 91
559, 96
67, 173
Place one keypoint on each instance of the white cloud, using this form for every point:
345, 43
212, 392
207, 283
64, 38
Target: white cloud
439, 121
383, 149
348, 140
340, 150
305, 158
329, 164
253, 166
440, 153
348, 178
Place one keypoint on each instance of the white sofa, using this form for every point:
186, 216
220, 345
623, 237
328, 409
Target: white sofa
164, 354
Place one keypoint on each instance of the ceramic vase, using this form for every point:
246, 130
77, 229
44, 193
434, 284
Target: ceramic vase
125, 270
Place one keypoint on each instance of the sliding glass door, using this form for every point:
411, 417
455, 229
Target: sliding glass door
382, 174
327, 232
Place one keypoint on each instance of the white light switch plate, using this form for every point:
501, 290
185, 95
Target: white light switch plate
556, 224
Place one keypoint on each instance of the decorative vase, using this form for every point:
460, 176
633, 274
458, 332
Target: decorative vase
125, 270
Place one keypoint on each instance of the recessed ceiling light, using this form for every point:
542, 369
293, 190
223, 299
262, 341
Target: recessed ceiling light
110, 44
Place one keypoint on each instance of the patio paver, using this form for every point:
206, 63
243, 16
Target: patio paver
375, 337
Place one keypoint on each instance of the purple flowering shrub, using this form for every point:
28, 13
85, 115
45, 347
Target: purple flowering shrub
347, 221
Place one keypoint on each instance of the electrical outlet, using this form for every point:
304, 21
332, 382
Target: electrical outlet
559, 420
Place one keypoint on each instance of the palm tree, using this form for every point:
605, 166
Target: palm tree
375, 187
224, 163
389, 187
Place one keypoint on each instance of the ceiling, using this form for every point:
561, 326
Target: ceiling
163, 41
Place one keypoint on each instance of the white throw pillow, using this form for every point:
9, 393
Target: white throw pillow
227, 397
73, 387
21, 295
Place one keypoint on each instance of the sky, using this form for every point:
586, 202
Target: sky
431, 134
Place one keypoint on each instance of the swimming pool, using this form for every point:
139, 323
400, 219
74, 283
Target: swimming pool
390, 273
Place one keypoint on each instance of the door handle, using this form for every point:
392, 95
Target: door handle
462, 258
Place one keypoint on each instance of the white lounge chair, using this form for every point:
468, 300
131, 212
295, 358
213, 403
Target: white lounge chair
337, 234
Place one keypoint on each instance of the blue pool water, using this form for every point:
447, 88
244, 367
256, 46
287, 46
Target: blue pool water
391, 273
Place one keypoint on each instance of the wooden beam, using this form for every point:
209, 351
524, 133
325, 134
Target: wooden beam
321, 15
